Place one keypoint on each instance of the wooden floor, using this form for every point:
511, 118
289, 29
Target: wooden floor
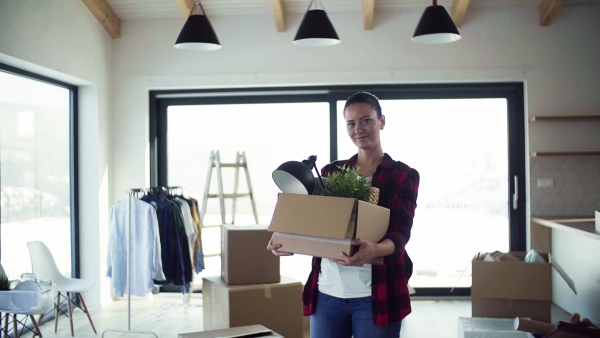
166, 315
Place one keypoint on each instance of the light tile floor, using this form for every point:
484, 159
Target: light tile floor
166, 315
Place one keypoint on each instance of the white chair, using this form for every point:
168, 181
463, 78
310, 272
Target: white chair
44, 267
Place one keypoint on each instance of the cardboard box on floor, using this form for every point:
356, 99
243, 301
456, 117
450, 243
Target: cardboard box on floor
324, 226
512, 288
242, 331
277, 306
244, 255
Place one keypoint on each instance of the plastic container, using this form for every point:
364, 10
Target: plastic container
28, 296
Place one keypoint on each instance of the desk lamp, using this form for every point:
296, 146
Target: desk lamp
296, 177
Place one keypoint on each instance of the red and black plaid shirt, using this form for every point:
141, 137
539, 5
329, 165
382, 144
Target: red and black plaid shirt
398, 185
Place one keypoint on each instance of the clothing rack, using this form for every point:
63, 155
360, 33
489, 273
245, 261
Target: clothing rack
131, 193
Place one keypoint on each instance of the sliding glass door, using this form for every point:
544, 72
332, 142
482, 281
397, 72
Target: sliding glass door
466, 140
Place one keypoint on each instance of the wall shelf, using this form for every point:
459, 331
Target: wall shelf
564, 118
565, 153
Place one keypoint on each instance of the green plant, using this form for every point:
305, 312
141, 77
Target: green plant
347, 182
4, 283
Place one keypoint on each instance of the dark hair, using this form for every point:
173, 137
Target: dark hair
364, 97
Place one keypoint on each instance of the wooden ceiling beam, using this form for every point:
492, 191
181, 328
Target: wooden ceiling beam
185, 7
548, 9
106, 16
278, 10
459, 9
369, 14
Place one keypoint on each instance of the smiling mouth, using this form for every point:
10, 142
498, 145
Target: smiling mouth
361, 138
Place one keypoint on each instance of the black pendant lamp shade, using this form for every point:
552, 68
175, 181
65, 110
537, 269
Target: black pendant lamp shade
197, 32
435, 26
316, 29
296, 177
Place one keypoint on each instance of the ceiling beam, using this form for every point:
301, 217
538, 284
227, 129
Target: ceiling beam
106, 16
185, 7
279, 14
368, 14
459, 9
548, 9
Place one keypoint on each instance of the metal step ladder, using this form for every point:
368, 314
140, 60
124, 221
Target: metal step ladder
215, 163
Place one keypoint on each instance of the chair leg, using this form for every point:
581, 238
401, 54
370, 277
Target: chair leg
56, 314
36, 327
6, 325
15, 326
85, 309
70, 306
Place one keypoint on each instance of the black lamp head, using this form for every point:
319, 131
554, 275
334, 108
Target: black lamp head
316, 28
295, 177
197, 32
436, 26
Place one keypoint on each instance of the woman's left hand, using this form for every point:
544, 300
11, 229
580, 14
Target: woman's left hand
366, 252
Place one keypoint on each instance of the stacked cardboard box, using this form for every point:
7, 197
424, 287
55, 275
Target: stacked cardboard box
250, 290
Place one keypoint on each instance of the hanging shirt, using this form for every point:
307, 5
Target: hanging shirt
144, 248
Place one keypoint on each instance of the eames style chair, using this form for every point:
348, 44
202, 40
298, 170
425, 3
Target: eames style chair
44, 267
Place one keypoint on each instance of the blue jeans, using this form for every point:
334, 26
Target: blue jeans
348, 317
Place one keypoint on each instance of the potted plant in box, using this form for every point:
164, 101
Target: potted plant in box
347, 182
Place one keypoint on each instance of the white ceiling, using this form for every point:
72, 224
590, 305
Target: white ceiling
156, 9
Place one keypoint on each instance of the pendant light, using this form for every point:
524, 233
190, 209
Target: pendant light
316, 29
435, 26
197, 32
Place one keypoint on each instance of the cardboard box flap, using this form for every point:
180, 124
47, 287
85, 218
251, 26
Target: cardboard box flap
328, 216
234, 332
373, 221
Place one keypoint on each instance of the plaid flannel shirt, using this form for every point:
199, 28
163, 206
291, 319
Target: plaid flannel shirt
398, 187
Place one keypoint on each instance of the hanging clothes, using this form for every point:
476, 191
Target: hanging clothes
145, 252
198, 256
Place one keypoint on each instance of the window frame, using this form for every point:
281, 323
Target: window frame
73, 156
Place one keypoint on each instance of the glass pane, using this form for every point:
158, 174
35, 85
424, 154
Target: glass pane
460, 148
268, 134
35, 178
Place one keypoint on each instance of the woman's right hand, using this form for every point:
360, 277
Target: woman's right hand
274, 248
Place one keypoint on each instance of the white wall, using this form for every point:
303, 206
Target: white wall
558, 64
63, 40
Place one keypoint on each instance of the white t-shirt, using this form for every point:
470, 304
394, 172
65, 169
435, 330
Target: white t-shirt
345, 281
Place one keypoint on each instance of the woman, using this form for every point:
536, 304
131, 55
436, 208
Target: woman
348, 297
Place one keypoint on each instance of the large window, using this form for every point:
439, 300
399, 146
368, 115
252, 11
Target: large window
465, 140
36, 172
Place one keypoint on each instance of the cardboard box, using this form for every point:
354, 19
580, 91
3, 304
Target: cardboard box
324, 226
244, 255
509, 289
242, 331
277, 306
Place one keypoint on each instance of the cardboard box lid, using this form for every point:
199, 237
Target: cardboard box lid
312, 215
234, 332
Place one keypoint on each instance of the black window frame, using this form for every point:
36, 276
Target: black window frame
73, 156
513, 92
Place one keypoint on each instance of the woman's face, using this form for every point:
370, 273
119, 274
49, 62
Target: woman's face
362, 125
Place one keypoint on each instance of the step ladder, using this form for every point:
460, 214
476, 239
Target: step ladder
215, 163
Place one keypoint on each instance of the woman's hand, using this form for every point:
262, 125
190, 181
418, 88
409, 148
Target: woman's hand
366, 252
274, 248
